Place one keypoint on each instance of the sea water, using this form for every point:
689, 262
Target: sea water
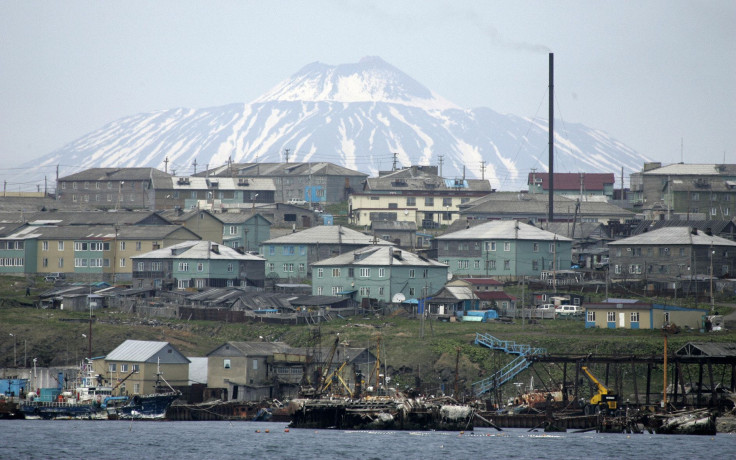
61, 439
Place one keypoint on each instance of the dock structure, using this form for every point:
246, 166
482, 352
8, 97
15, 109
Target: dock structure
701, 373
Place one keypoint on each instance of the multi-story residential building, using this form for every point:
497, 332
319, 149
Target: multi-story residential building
109, 188
318, 182
535, 208
214, 194
416, 194
291, 256
402, 234
491, 294
244, 231
136, 364
504, 249
197, 264
703, 191
84, 252
578, 185
202, 222
378, 272
671, 254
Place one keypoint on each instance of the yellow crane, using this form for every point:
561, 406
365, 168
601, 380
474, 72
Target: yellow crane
604, 396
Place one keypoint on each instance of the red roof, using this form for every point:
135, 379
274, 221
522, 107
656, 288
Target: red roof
571, 181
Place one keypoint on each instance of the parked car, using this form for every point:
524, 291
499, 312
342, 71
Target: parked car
53, 277
569, 310
297, 202
546, 307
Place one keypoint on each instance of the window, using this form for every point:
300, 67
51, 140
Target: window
535, 265
507, 265
61, 262
695, 197
61, 245
425, 273
156, 266
682, 252
123, 368
113, 367
411, 292
302, 268
411, 201
136, 368
79, 246
320, 272
381, 291
230, 267
381, 272
200, 267
183, 266
122, 245
226, 363
507, 246
617, 269
446, 202
44, 245
80, 262
666, 317
490, 245
351, 272
429, 201
271, 267
393, 206
45, 262
320, 290
365, 272
535, 247
302, 250
590, 317
490, 264
287, 250
552, 248
365, 291
255, 364
335, 272
611, 316
136, 388
122, 262
233, 230
271, 250
138, 245
634, 316
183, 284
141, 266
411, 273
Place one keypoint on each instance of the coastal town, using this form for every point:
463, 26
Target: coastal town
519, 286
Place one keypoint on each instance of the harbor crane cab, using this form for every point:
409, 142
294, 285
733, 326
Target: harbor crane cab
604, 398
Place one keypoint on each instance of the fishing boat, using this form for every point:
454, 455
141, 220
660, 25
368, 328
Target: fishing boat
91, 400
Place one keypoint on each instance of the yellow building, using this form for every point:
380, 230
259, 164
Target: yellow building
139, 365
630, 314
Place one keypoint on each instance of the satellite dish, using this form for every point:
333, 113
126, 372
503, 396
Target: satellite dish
398, 298
406, 212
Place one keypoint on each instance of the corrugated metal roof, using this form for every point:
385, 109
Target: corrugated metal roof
503, 229
379, 256
327, 234
674, 236
116, 174
708, 349
197, 250
684, 170
135, 351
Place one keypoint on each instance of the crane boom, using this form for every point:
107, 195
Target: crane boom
604, 395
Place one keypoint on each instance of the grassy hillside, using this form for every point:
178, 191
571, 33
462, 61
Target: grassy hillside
54, 337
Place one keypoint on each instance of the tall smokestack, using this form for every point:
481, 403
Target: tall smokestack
551, 137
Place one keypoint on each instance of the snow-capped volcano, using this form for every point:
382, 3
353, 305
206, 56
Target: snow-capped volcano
360, 116
370, 80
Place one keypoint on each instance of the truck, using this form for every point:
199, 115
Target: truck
604, 398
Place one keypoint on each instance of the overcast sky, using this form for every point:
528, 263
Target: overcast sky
659, 76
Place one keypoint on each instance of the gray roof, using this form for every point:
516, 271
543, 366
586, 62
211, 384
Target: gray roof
537, 204
197, 250
674, 236
116, 174
92, 217
142, 351
238, 217
503, 230
727, 349
214, 183
717, 227
321, 168
379, 256
183, 215
257, 348
682, 169
99, 232
327, 234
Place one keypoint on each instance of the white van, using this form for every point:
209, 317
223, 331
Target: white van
568, 310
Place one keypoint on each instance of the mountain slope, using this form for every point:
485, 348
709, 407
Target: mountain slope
356, 115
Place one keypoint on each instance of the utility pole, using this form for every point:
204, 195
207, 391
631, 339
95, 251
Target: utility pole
166, 165
551, 138
483, 170
712, 300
